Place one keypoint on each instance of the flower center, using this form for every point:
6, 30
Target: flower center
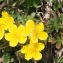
32, 49
35, 32
15, 35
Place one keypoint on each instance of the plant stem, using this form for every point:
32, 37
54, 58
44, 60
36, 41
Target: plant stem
34, 61
4, 47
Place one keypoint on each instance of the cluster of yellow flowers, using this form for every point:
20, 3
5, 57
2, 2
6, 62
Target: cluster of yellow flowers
20, 34
6, 21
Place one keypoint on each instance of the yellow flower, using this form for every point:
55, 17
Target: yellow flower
8, 19
3, 27
15, 35
35, 31
32, 50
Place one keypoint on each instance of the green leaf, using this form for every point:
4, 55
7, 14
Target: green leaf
54, 24
58, 44
1, 0
56, 59
56, 7
33, 14
61, 61
18, 53
28, 4
55, 1
12, 59
35, 5
61, 17
6, 58
47, 0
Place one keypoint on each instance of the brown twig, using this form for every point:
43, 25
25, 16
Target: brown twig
34, 61
21, 1
4, 47
4, 3
39, 15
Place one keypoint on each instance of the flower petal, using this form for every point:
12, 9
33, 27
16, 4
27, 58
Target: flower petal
1, 34
30, 24
28, 56
8, 36
24, 49
42, 35
9, 25
26, 32
13, 43
37, 56
40, 27
40, 47
21, 28
22, 39
33, 39
4, 14
13, 29
2, 24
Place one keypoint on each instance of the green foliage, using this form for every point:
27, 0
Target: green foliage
6, 58
22, 18
18, 53
54, 28
6, 49
58, 59
28, 4
56, 5
61, 17
58, 42
54, 24
1, 0
14, 14
47, 0
28, 11
12, 60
